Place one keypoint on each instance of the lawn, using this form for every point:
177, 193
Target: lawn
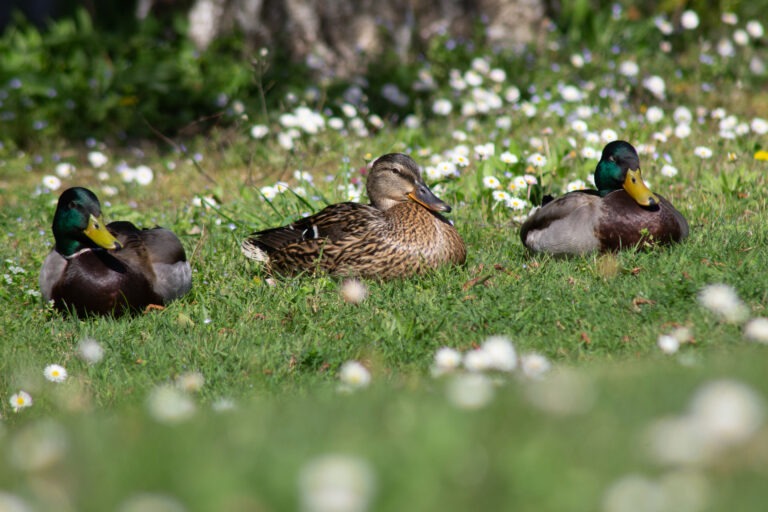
634, 384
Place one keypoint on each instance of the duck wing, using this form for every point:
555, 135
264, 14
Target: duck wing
565, 225
330, 226
156, 253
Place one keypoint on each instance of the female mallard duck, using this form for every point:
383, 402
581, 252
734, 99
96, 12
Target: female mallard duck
112, 269
399, 234
621, 213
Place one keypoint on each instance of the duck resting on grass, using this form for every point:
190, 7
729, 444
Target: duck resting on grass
401, 233
98, 269
622, 212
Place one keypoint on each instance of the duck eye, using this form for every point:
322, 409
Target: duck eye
634, 180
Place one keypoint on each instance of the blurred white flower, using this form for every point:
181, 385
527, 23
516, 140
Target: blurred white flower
725, 48
512, 94
20, 400
447, 359
634, 493
491, 182
55, 373
663, 24
571, 93
151, 502
740, 37
190, 382
51, 182
38, 446
668, 344
730, 412
168, 404
656, 85
682, 131
757, 330
508, 158
608, 135
577, 61
442, 107
259, 131
534, 365
562, 392
575, 185
497, 75
13, 503
723, 300
97, 158
353, 291
729, 18
579, 126
500, 196
469, 390
354, 375
537, 160
143, 175
515, 203
477, 360
501, 353
90, 350
669, 171
755, 29
629, 68
64, 169
759, 126
702, 152
336, 483
654, 114
689, 20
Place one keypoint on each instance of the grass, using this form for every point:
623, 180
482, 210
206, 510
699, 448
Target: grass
275, 350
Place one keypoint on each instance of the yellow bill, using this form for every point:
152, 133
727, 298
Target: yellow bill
636, 188
98, 232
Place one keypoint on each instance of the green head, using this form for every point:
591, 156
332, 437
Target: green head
77, 223
619, 167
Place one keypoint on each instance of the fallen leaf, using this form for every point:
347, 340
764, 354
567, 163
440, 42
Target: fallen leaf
639, 301
585, 338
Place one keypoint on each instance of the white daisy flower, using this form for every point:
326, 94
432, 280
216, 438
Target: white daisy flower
668, 344
446, 360
353, 291
654, 114
689, 20
534, 365
500, 196
755, 29
515, 203
537, 160
20, 400
669, 171
259, 131
442, 107
702, 152
97, 158
629, 68
757, 330
508, 158
55, 373
90, 350
723, 300
470, 390
64, 169
354, 375
51, 182
491, 182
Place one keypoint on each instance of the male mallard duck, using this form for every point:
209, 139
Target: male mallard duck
399, 234
621, 213
98, 269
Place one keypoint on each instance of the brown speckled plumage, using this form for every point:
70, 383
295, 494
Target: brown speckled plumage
399, 234
587, 220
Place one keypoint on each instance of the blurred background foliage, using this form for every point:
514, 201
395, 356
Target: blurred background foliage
95, 70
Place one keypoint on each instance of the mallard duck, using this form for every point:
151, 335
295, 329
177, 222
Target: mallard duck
109, 269
399, 234
620, 214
